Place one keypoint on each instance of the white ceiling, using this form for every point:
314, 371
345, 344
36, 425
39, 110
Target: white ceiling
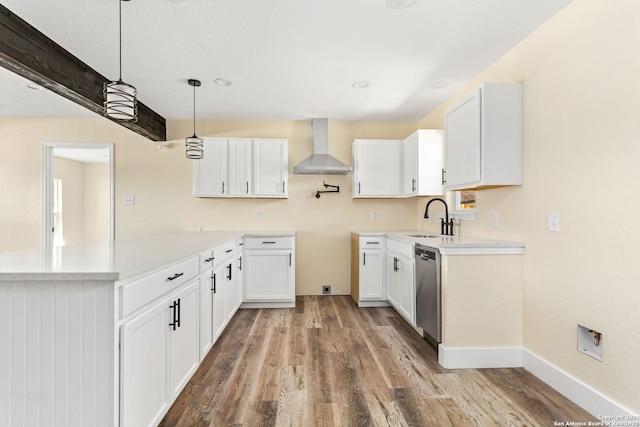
286, 59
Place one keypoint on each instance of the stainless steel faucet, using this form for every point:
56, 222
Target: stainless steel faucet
446, 224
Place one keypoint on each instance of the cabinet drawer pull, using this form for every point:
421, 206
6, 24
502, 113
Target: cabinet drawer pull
268, 243
373, 243
175, 276
229, 267
240, 266
210, 259
175, 307
229, 250
290, 259
364, 258
444, 176
213, 283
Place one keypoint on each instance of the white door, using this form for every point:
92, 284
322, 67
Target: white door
463, 141
406, 290
268, 276
143, 367
240, 180
210, 172
206, 313
218, 317
271, 167
378, 168
372, 275
239, 281
229, 289
410, 180
184, 351
392, 279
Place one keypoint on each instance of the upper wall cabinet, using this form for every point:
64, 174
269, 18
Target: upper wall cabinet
484, 138
242, 167
423, 163
377, 168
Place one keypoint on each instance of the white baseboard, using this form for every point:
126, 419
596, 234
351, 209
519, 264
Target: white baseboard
475, 358
573, 389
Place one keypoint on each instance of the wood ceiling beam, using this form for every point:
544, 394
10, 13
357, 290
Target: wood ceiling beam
27, 52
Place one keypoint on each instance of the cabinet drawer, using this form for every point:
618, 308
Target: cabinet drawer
400, 248
268, 243
136, 294
372, 242
206, 260
224, 251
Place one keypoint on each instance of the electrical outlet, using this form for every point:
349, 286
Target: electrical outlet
260, 217
374, 216
129, 200
326, 289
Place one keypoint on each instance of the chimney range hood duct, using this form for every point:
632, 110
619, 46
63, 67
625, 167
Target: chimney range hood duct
320, 162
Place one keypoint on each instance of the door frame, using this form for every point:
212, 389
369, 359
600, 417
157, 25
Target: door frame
47, 185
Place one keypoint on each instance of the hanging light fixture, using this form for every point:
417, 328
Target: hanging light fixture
120, 98
195, 145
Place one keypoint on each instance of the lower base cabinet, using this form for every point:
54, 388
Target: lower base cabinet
159, 353
270, 270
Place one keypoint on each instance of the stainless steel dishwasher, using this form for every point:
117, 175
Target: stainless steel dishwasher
428, 307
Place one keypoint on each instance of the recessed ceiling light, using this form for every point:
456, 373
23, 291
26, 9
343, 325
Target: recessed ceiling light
34, 86
440, 84
360, 84
222, 82
400, 4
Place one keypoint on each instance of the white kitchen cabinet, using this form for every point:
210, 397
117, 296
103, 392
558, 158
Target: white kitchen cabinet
271, 167
484, 138
423, 163
206, 313
368, 278
218, 300
269, 271
143, 359
184, 352
238, 281
242, 167
377, 168
401, 279
210, 172
159, 353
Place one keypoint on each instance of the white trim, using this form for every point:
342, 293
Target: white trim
252, 305
573, 389
373, 303
475, 358
47, 176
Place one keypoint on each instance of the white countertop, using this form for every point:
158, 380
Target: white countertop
114, 260
452, 245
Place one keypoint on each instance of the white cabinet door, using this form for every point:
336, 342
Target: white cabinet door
377, 168
392, 279
372, 275
410, 176
143, 367
219, 317
184, 352
240, 168
210, 172
239, 282
270, 167
269, 276
406, 290
463, 129
229, 289
484, 138
206, 313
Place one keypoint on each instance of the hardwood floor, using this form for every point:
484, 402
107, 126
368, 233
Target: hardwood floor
329, 363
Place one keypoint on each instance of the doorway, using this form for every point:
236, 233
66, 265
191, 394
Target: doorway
78, 193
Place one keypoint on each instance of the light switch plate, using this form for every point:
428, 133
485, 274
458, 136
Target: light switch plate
129, 200
553, 222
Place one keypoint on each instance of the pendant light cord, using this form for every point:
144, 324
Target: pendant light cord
120, 26
194, 110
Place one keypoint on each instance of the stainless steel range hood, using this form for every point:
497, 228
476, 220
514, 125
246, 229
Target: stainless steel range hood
320, 162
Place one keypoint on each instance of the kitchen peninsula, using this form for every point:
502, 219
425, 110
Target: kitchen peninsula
108, 334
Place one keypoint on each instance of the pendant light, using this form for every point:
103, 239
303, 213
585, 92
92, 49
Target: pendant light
120, 98
195, 145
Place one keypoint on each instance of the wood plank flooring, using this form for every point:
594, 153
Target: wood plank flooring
329, 363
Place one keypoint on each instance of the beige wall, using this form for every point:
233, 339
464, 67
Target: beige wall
581, 148
96, 201
161, 181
